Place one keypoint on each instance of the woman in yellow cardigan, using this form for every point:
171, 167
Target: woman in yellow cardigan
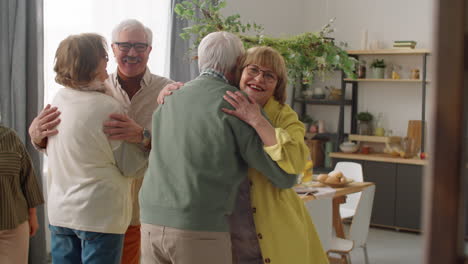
271, 225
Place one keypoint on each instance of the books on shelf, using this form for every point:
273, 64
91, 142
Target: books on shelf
404, 44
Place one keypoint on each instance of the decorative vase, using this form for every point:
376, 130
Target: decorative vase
378, 73
364, 128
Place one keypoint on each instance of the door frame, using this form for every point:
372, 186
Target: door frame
443, 193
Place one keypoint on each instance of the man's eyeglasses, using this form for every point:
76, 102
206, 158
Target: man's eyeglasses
268, 76
126, 46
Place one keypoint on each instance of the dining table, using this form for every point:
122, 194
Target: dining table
339, 197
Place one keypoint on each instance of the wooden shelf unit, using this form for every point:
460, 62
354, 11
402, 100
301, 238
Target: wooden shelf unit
385, 80
322, 101
423, 53
382, 157
341, 103
389, 52
375, 139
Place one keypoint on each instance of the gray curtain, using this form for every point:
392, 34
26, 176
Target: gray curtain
182, 67
22, 85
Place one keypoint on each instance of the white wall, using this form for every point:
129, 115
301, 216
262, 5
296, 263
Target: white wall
280, 18
385, 21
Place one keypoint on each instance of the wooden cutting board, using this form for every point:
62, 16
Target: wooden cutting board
414, 131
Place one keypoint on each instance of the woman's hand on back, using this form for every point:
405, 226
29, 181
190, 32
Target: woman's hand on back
245, 108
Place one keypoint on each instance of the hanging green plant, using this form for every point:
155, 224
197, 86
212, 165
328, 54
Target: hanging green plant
307, 55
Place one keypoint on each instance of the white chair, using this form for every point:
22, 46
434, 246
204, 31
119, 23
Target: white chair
320, 210
353, 171
359, 227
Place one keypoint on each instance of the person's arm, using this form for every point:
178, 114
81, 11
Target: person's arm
291, 152
44, 126
33, 223
167, 90
285, 144
30, 188
247, 110
126, 144
122, 127
250, 148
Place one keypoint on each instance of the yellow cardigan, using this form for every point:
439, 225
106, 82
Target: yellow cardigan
285, 230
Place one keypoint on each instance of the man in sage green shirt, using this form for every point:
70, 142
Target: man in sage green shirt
199, 157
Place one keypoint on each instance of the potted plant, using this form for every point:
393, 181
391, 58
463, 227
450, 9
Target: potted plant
307, 55
364, 123
307, 120
378, 68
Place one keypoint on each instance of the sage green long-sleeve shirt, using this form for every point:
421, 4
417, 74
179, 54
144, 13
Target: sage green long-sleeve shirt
199, 157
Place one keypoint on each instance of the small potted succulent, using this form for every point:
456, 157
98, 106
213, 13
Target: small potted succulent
378, 68
308, 122
364, 123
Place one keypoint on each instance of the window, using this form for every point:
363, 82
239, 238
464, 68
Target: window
64, 18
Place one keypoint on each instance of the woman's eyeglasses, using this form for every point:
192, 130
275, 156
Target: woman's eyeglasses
126, 46
268, 76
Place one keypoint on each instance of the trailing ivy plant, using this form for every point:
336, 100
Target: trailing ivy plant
307, 55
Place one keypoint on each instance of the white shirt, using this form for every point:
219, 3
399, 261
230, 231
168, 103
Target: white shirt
140, 109
86, 189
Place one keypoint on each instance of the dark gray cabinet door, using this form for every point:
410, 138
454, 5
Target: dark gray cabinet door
408, 196
384, 176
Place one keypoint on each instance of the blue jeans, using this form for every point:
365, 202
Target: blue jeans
70, 246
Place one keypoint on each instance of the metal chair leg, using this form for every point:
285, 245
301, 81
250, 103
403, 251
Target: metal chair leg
366, 257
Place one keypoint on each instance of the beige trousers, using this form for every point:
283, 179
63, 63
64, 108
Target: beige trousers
166, 245
14, 244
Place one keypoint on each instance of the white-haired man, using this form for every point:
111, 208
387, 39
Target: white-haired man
137, 89
200, 156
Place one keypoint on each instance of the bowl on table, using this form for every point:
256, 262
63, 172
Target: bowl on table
349, 147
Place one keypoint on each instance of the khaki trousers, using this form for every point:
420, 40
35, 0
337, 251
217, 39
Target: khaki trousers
166, 245
14, 244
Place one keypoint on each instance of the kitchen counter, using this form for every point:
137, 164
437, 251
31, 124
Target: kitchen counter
382, 157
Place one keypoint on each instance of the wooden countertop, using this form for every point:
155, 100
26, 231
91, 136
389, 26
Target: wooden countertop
382, 157
353, 187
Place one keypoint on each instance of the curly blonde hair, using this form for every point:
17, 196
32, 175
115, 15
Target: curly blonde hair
77, 59
270, 58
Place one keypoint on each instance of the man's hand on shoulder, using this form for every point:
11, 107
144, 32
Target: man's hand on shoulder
122, 127
44, 125
167, 90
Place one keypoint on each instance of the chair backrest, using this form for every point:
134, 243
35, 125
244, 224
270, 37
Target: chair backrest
353, 171
320, 210
360, 225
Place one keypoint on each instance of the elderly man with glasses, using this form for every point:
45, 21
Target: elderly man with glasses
137, 89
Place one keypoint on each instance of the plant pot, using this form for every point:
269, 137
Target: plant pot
364, 128
378, 73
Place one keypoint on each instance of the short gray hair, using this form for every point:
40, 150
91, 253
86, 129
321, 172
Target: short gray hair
131, 24
219, 51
